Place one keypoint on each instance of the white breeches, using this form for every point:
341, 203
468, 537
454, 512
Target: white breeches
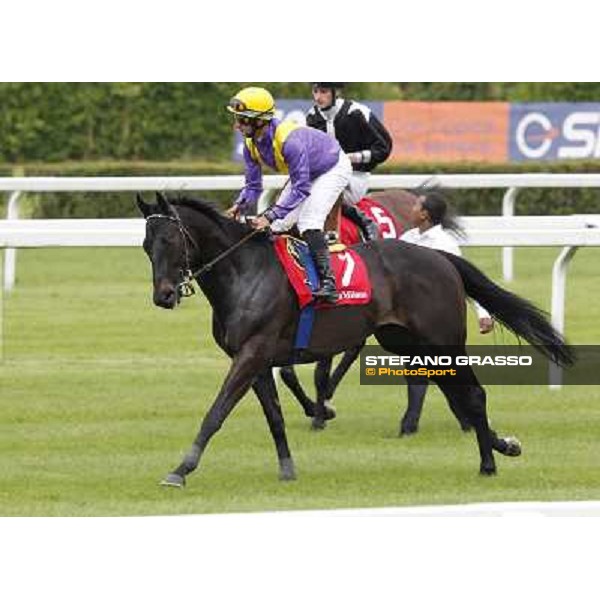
325, 190
357, 188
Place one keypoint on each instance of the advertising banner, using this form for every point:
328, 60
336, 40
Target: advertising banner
554, 131
448, 131
485, 132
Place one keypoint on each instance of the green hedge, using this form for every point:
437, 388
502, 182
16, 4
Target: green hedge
58, 121
467, 202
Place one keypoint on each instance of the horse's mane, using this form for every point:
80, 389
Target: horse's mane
213, 212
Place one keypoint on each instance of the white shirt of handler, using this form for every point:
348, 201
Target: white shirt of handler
438, 238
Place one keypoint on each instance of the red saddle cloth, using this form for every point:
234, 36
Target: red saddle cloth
351, 276
389, 228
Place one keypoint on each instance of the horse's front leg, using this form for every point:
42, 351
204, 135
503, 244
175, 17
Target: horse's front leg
266, 391
241, 375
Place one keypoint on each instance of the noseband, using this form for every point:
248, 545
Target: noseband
186, 287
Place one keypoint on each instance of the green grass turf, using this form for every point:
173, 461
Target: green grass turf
101, 393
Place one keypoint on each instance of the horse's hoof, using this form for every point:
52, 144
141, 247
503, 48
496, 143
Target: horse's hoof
287, 472
513, 446
487, 470
173, 480
330, 412
318, 424
408, 429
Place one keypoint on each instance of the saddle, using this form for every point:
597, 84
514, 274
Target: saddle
351, 275
352, 280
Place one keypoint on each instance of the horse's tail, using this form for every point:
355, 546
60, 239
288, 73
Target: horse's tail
516, 313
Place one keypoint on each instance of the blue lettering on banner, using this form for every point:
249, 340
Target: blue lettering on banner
554, 131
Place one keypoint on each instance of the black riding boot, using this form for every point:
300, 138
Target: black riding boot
317, 245
367, 226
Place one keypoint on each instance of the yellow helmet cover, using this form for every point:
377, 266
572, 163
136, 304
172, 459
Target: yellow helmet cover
253, 102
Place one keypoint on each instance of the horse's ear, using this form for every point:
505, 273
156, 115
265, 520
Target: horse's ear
145, 208
163, 203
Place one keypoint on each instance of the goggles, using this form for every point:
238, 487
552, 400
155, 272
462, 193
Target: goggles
242, 120
237, 106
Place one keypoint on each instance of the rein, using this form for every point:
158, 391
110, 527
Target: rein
209, 265
186, 287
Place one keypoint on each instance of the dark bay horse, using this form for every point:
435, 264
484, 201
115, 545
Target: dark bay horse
417, 293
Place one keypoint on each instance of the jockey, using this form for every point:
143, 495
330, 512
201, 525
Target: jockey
318, 173
361, 135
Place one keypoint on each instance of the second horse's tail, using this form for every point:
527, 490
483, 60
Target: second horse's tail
516, 313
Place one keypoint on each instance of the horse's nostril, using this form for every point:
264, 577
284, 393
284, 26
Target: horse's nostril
169, 296
165, 296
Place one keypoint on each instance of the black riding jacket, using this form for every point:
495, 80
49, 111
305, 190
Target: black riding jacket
356, 129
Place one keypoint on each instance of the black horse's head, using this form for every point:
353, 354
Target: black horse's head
168, 249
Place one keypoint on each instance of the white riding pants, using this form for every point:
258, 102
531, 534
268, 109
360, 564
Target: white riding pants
325, 190
357, 188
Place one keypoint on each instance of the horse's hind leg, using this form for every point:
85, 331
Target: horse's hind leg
508, 446
416, 390
471, 398
289, 377
459, 413
326, 384
322, 373
340, 371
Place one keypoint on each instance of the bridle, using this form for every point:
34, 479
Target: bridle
186, 287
